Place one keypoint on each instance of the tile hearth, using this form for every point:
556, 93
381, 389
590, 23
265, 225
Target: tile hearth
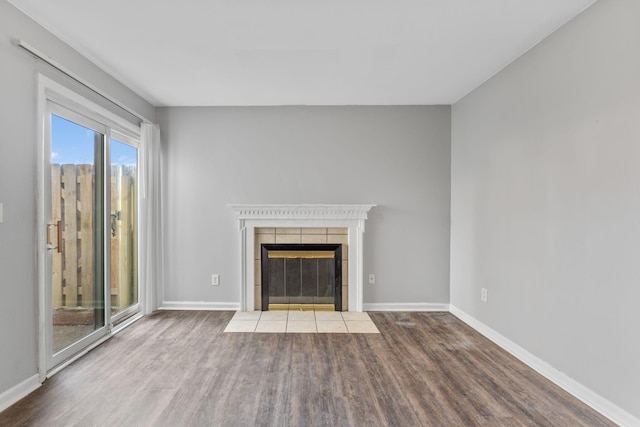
296, 321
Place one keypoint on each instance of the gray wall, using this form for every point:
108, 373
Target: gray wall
546, 201
396, 157
18, 143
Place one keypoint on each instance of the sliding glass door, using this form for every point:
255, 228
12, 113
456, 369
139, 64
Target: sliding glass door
92, 230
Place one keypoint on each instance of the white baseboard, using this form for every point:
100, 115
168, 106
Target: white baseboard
200, 305
586, 395
405, 306
19, 391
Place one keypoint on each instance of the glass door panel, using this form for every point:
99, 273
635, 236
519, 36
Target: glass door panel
124, 228
74, 234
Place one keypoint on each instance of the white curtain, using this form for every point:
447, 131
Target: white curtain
151, 219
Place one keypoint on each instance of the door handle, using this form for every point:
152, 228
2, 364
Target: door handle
58, 226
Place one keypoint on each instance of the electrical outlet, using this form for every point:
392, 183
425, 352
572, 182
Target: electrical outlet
483, 295
372, 279
215, 280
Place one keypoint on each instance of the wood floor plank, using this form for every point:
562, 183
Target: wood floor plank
178, 368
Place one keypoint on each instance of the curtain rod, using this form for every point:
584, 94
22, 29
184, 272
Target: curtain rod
35, 52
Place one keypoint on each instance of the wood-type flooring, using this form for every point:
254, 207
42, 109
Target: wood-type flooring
177, 368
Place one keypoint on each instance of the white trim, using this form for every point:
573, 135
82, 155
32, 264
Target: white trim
302, 212
200, 305
126, 313
19, 391
42, 146
60, 94
406, 306
586, 395
351, 217
126, 323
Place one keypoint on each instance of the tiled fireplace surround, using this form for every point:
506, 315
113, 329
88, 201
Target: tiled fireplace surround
300, 235
342, 224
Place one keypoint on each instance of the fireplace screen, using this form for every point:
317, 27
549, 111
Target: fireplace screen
301, 274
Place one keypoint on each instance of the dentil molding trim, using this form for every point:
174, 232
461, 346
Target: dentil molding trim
301, 212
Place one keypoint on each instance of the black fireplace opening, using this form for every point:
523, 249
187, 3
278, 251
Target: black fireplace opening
301, 274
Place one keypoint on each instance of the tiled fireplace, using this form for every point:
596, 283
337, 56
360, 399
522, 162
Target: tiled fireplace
305, 271
301, 224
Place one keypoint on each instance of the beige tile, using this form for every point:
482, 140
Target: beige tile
345, 299
302, 322
361, 327
264, 237
337, 231
260, 239
345, 274
328, 316
314, 231
301, 315
331, 326
288, 230
314, 238
288, 238
271, 326
257, 298
265, 230
247, 315
274, 315
339, 238
301, 326
241, 326
257, 272
355, 315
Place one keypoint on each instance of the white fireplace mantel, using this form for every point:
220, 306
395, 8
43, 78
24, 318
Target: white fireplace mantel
351, 217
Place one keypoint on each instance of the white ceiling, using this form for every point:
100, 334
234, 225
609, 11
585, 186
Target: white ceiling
302, 52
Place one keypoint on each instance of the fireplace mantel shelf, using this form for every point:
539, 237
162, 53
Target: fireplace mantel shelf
350, 216
303, 211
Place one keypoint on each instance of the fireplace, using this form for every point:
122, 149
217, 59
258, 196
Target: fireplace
306, 274
351, 218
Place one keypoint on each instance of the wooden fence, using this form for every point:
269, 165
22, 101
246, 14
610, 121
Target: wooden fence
73, 203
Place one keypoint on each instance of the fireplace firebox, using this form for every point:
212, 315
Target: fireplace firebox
301, 274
